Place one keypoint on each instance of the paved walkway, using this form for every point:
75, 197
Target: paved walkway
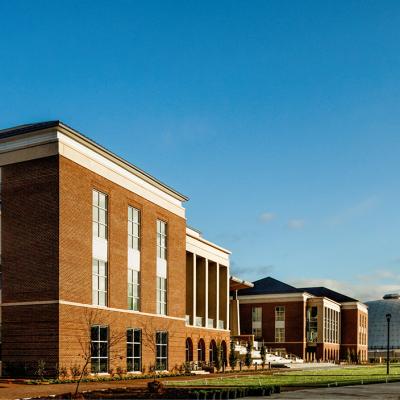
374, 391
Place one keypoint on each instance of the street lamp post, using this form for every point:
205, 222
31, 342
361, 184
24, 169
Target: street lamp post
388, 316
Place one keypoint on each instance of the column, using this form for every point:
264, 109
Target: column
206, 294
217, 298
194, 288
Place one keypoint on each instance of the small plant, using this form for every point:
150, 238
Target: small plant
63, 372
232, 356
263, 355
120, 371
248, 361
75, 371
40, 369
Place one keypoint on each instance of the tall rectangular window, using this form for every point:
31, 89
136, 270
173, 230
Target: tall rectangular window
100, 214
256, 316
134, 350
133, 289
161, 351
99, 348
280, 313
279, 335
279, 324
161, 239
161, 296
99, 283
133, 228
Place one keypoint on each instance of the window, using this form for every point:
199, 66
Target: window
99, 282
100, 214
161, 239
280, 313
312, 324
279, 324
133, 289
133, 350
256, 321
161, 296
279, 335
99, 349
133, 228
256, 314
162, 351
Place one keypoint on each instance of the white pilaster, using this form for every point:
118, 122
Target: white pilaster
206, 293
217, 299
227, 297
194, 287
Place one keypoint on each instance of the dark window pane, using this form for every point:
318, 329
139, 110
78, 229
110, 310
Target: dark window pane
103, 333
137, 335
95, 333
129, 350
103, 349
129, 364
103, 365
129, 335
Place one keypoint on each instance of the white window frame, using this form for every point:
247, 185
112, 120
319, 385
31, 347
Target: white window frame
99, 280
131, 347
96, 345
162, 238
133, 289
161, 295
134, 219
161, 349
99, 214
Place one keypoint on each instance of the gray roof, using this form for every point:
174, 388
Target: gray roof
38, 126
330, 294
269, 285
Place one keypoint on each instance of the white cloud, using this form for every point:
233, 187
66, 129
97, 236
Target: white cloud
267, 217
296, 223
364, 287
356, 211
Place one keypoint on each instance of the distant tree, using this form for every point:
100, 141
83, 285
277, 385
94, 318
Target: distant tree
232, 356
263, 354
218, 357
248, 360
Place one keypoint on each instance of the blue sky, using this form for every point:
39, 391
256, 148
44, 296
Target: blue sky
279, 119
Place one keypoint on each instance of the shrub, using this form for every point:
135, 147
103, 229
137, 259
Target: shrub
232, 356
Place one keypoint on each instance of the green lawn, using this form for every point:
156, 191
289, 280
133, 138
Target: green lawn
299, 378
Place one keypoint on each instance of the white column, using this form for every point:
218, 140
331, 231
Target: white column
206, 293
194, 288
227, 297
217, 299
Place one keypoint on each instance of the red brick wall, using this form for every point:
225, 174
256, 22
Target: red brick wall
76, 185
294, 324
30, 230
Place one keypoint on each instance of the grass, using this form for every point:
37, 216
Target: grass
334, 376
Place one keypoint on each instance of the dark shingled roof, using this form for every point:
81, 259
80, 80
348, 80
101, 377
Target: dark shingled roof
330, 294
269, 285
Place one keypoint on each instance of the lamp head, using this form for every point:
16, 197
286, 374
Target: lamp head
388, 316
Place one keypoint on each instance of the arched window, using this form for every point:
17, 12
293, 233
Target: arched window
213, 351
201, 350
224, 353
189, 350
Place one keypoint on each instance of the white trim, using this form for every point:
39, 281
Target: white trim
12, 144
97, 163
270, 298
208, 329
71, 303
206, 251
355, 304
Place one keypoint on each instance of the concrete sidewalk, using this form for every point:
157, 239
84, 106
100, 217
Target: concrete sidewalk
373, 391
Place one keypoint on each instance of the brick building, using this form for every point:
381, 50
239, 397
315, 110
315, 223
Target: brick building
96, 252
313, 323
